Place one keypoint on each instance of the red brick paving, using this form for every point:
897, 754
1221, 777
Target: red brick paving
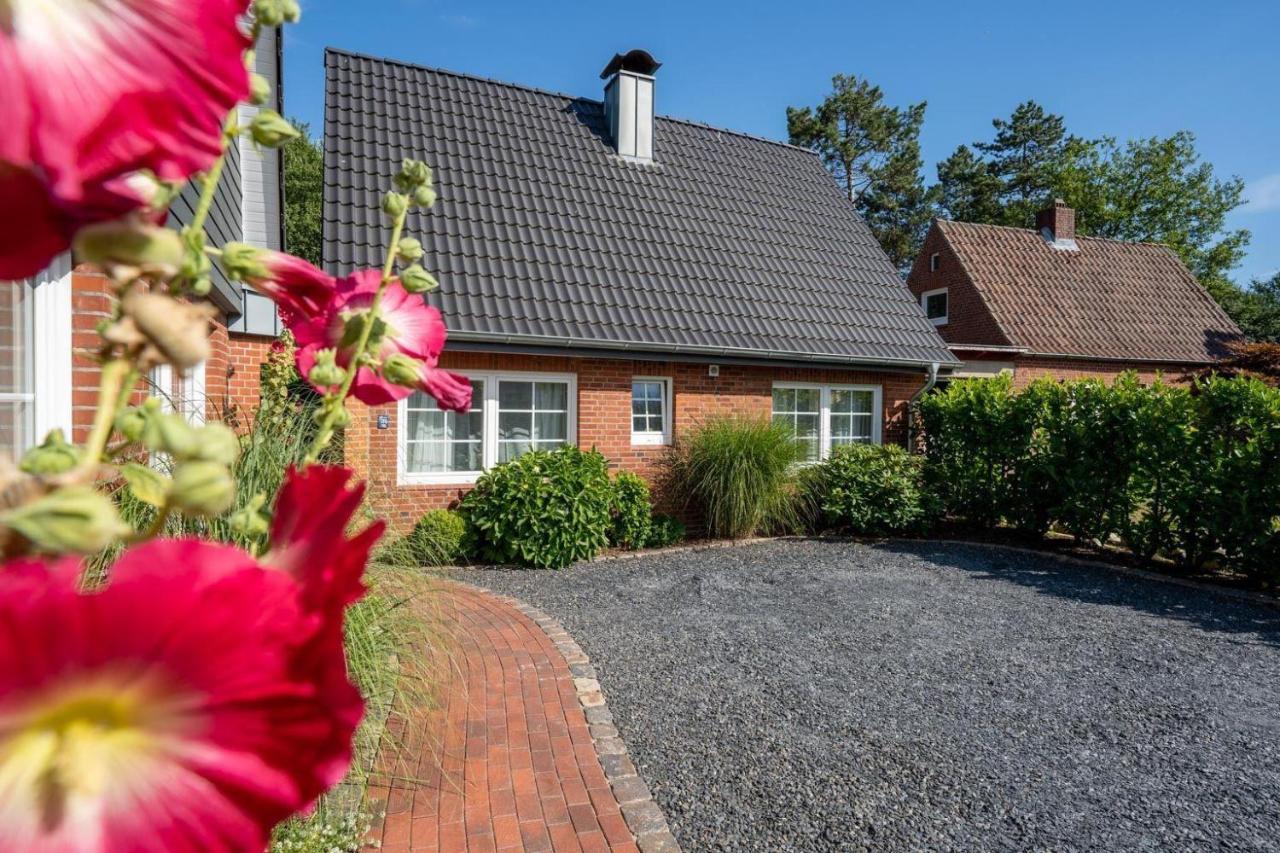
508, 762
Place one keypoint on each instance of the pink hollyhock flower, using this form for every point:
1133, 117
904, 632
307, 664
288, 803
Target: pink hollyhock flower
191, 704
409, 327
451, 391
93, 95
299, 289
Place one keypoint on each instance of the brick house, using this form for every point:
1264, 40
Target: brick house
1046, 302
48, 322
609, 277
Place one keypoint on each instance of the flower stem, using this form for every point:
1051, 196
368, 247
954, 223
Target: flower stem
337, 403
112, 387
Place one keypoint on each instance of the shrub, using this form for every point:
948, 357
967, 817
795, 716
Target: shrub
869, 489
632, 511
738, 473
436, 540
664, 531
545, 509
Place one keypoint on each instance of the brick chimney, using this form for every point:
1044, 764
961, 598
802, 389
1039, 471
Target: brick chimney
1057, 224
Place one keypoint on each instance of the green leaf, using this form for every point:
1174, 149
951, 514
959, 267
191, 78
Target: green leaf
147, 484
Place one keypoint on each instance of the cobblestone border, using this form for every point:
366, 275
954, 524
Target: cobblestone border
644, 817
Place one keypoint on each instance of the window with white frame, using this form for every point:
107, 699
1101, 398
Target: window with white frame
935, 305
934, 262
824, 417
17, 367
650, 410
511, 414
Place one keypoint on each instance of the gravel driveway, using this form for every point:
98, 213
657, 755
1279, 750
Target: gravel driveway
824, 695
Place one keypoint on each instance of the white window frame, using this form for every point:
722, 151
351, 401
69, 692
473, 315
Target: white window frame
489, 438
649, 438
824, 421
51, 350
935, 261
924, 305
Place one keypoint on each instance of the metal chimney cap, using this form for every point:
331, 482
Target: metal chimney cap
639, 61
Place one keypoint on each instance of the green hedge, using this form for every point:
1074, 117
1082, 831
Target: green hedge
1185, 472
632, 511
865, 488
437, 539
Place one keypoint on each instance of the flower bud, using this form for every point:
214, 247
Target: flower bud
217, 442
202, 488
394, 204
147, 484
75, 519
270, 130
241, 261
259, 90
268, 13
54, 456
326, 372
409, 249
132, 422
417, 280
291, 10
170, 433
424, 196
248, 521
402, 370
128, 248
413, 174
177, 331
202, 286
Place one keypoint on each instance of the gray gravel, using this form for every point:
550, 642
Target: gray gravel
826, 695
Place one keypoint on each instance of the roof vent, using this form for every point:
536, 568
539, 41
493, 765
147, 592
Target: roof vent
1057, 224
628, 103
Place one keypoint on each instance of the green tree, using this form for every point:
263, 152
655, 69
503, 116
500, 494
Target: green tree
873, 150
303, 194
1256, 309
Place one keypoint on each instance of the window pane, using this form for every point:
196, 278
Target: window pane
552, 395
807, 425
553, 426
808, 400
639, 423
17, 374
936, 305
851, 402
515, 395
508, 450
639, 407
513, 425
784, 399
862, 428
648, 398
443, 442
810, 449
841, 428
15, 428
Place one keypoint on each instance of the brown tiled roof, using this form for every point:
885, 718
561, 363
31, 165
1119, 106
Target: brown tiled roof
1107, 299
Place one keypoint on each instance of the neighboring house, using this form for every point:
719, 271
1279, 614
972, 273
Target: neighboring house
48, 323
610, 278
1049, 303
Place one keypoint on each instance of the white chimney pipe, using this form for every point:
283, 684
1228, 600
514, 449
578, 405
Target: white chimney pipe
628, 104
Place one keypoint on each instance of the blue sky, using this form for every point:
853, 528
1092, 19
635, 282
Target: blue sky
1126, 68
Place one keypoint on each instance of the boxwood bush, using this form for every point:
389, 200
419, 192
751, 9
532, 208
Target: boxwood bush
437, 538
865, 488
632, 511
545, 509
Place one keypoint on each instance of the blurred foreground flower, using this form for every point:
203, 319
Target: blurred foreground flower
99, 102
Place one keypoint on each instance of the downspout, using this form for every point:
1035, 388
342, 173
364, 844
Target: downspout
929, 383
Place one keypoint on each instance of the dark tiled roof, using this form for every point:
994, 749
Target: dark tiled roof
727, 243
1108, 299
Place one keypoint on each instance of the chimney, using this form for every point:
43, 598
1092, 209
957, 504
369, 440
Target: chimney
1057, 224
628, 103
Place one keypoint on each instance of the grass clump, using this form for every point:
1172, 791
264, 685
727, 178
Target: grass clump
437, 538
739, 473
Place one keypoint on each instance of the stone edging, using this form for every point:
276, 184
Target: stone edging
644, 817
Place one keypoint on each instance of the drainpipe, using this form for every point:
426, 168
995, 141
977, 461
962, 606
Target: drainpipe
911, 404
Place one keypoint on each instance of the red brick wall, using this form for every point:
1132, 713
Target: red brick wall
91, 303
1029, 368
245, 355
604, 414
968, 320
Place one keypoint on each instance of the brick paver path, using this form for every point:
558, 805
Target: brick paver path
508, 761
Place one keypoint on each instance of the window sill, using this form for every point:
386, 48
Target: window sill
645, 439
459, 479
938, 321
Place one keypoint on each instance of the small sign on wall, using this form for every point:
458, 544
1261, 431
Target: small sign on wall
384, 421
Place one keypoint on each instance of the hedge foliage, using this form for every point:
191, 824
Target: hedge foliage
864, 488
632, 511
545, 509
1189, 473
437, 539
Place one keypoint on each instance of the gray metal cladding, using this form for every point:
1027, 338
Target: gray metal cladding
725, 241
